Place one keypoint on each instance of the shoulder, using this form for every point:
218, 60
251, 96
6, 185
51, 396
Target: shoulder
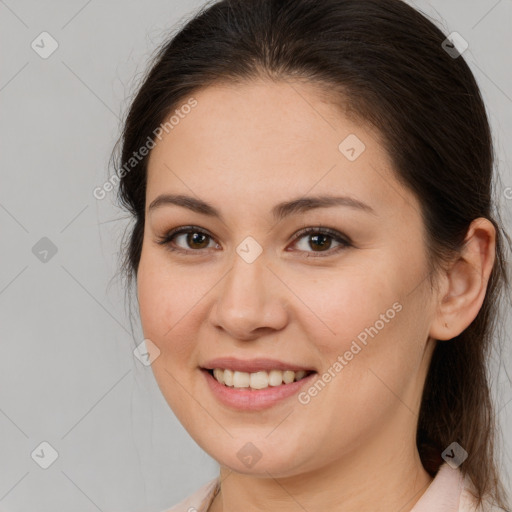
451, 491
468, 500
199, 500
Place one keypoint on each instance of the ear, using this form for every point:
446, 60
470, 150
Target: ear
465, 283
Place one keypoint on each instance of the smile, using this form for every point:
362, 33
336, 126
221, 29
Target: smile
242, 397
257, 380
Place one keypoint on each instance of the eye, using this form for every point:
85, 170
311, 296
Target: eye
197, 239
322, 238
194, 236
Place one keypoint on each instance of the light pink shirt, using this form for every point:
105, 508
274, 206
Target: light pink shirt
448, 492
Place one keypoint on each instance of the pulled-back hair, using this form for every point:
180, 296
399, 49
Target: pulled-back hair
383, 61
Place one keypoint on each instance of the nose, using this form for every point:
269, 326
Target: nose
251, 300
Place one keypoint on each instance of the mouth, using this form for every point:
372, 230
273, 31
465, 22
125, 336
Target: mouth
256, 390
255, 381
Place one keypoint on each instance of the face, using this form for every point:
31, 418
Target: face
350, 303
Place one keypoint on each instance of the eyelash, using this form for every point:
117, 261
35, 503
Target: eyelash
335, 235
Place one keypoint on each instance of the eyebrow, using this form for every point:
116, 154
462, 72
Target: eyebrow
279, 212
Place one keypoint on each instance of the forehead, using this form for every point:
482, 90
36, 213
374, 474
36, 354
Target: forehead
266, 141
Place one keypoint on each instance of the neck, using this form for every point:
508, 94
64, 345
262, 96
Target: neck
367, 479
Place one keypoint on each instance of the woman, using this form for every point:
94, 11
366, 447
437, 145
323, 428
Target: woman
317, 259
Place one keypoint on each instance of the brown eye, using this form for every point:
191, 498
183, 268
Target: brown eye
194, 239
320, 240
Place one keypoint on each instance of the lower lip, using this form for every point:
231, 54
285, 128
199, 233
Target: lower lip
246, 399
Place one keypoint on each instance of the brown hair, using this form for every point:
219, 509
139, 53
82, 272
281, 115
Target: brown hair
384, 61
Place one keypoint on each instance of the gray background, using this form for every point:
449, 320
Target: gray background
67, 372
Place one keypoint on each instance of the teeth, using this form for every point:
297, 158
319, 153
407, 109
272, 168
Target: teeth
241, 380
219, 375
288, 376
275, 378
228, 377
257, 380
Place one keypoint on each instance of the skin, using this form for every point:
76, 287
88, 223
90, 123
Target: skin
244, 149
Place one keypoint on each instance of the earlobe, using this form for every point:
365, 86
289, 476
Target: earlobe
467, 278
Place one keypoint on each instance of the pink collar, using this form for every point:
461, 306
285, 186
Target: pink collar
444, 492
449, 491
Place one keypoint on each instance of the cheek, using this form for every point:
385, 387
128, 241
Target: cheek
162, 299
366, 328
342, 306
377, 350
151, 298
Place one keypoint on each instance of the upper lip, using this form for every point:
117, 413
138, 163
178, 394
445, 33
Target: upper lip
252, 365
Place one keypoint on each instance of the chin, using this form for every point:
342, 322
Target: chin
256, 458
